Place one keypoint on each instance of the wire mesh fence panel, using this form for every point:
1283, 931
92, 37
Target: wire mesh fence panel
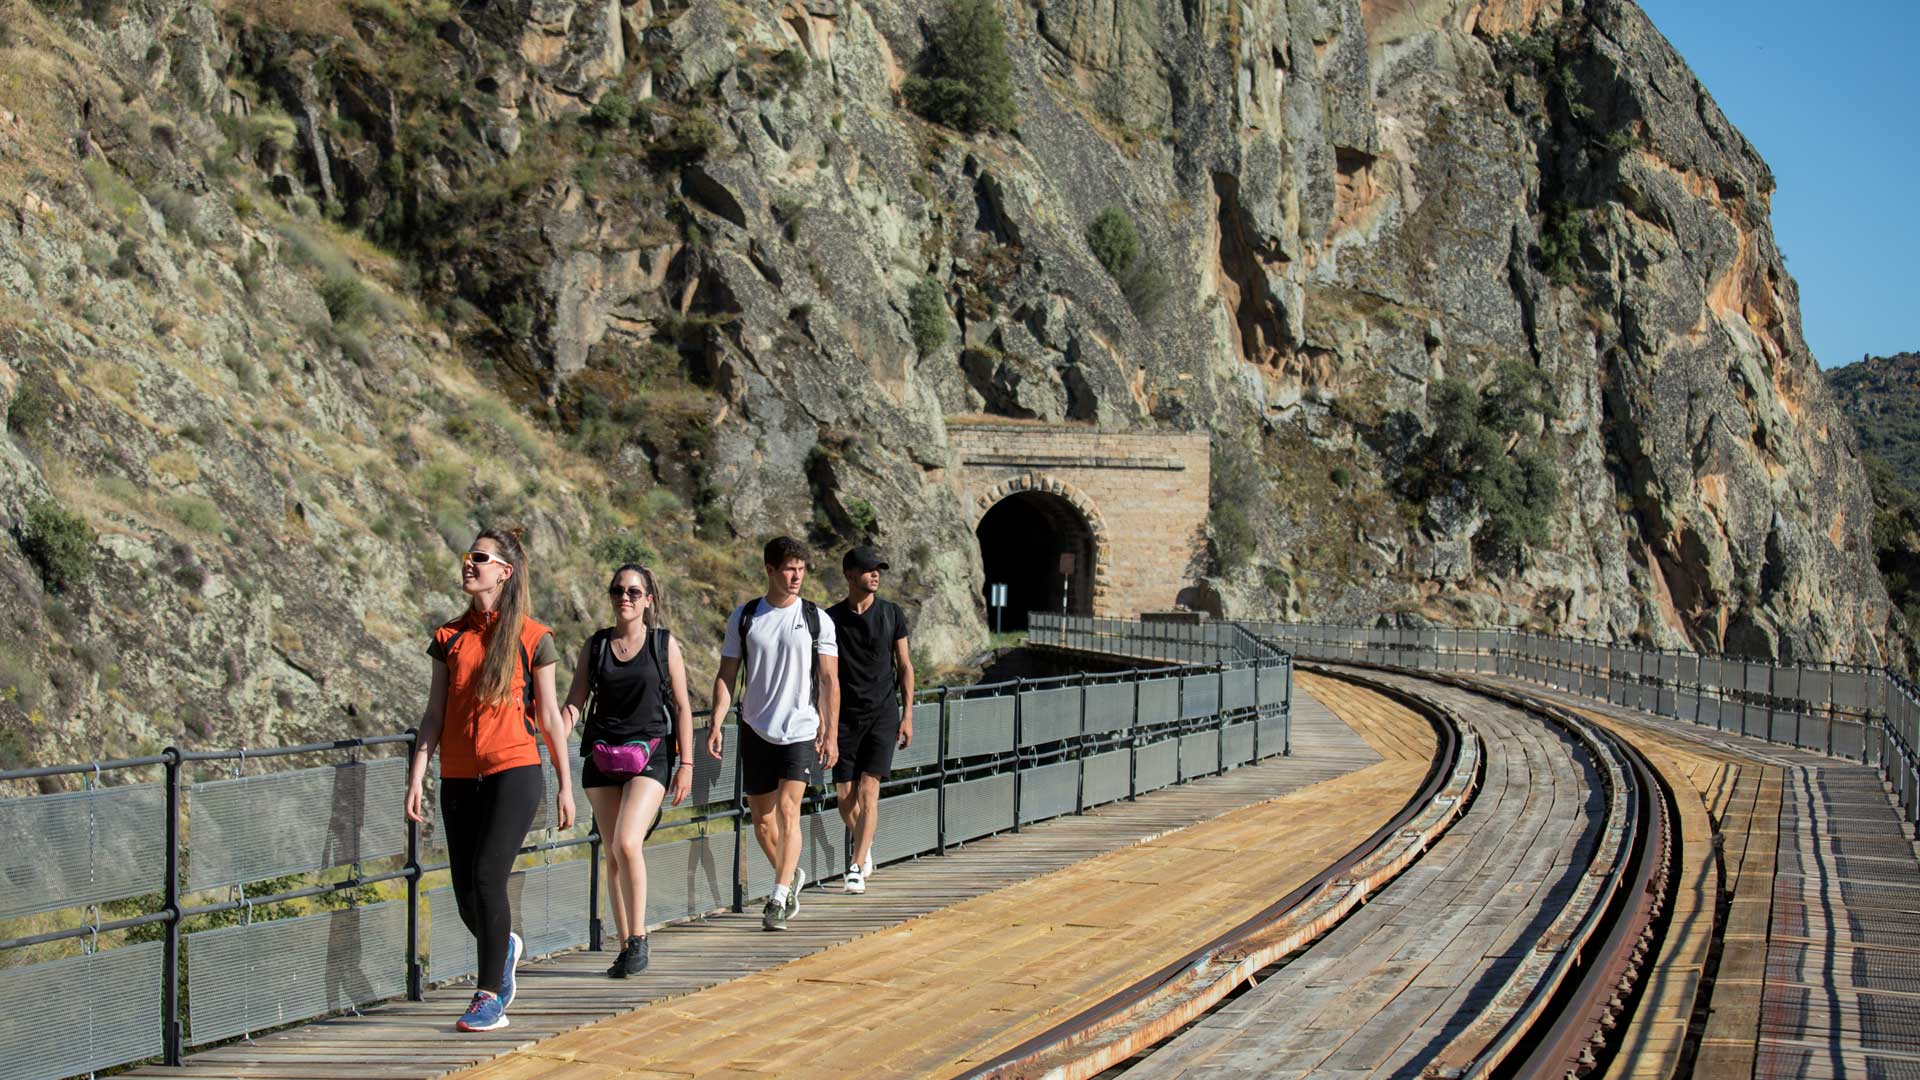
1850, 691
81, 847
981, 725
1199, 696
544, 817
1159, 701
688, 877
252, 827
1236, 743
925, 748
713, 780
1107, 777
1238, 689
251, 977
823, 846
549, 903
1199, 754
1049, 791
909, 825
1274, 685
1049, 715
82, 1013
1156, 765
1110, 706
978, 807
1271, 735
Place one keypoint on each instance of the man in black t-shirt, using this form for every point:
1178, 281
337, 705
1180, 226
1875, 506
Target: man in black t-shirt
876, 701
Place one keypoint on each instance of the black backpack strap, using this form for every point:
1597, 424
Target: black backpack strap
658, 643
747, 611
810, 611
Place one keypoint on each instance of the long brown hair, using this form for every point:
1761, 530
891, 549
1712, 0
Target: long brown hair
650, 618
503, 639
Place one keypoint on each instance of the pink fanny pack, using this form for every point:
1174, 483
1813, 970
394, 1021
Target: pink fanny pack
624, 761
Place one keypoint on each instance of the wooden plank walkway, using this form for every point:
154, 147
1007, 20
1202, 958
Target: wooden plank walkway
405, 1040
1391, 986
943, 993
1819, 973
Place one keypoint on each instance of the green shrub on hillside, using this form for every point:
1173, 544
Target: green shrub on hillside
623, 547
966, 79
1466, 453
58, 543
29, 411
1114, 240
927, 315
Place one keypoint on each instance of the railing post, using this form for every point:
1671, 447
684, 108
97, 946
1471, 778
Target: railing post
940, 799
1133, 740
1019, 683
739, 812
1259, 706
1179, 723
1286, 713
416, 974
1220, 709
172, 1041
1080, 753
594, 927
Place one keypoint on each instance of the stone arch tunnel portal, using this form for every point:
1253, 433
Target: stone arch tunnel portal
1041, 547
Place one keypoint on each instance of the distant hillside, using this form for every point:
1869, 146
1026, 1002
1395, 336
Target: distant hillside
1881, 395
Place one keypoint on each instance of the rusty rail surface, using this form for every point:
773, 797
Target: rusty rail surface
1164, 1002
1560, 1011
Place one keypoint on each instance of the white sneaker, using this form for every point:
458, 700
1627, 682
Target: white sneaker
856, 880
793, 894
868, 870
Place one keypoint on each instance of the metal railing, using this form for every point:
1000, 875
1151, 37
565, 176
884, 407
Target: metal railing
208, 837
1863, 714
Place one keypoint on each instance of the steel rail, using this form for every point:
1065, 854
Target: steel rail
1557, 1012
1159, 1005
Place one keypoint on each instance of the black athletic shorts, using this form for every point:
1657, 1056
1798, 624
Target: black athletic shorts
659, 768
867, 742
763, 764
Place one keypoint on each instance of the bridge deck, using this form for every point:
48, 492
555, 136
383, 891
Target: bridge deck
1388, 989
1819, 973
403, 1040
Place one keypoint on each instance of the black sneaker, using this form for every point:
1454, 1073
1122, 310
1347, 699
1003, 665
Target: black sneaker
618, 970
636, 956
773, 916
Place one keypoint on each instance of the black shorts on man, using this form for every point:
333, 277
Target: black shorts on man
867, 742
763, 764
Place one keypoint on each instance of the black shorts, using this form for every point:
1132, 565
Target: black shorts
867, 742
659, 768
763, 764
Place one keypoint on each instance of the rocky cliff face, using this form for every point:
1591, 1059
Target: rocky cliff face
1881, 396
641, 272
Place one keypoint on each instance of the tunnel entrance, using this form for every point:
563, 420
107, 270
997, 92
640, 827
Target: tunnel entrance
1041, 548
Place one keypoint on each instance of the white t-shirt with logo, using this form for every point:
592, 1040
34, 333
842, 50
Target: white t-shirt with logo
777, 701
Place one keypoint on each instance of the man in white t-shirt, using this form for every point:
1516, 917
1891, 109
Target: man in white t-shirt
789, 712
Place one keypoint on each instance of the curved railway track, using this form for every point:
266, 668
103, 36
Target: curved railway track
1512, 947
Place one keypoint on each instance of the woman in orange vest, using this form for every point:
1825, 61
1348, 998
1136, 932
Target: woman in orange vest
492, 700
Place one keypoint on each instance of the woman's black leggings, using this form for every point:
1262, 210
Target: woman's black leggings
485, 822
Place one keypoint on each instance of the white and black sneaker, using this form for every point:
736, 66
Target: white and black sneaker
793, 894
856, 880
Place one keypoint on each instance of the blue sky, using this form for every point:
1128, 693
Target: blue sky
1830, 94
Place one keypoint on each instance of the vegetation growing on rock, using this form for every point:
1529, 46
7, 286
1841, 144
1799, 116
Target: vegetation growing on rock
966, 78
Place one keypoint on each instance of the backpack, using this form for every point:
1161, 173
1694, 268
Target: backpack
657, 638
809, 611
526, 680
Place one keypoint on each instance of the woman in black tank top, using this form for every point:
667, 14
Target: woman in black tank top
638, 681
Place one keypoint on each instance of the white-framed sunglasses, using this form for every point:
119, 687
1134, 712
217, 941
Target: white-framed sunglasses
482, 558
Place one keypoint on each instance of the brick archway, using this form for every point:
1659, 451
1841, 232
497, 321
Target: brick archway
1141, 496
1093, 578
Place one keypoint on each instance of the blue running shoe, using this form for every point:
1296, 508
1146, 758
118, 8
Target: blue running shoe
507, 987
484, 1013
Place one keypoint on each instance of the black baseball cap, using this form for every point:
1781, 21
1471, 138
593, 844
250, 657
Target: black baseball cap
862, 559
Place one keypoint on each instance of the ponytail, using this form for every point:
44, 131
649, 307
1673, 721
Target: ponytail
503, 640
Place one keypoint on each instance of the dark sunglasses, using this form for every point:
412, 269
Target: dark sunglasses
632, 592
482, 558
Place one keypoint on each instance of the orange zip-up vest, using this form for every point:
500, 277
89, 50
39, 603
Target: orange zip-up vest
480, 738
